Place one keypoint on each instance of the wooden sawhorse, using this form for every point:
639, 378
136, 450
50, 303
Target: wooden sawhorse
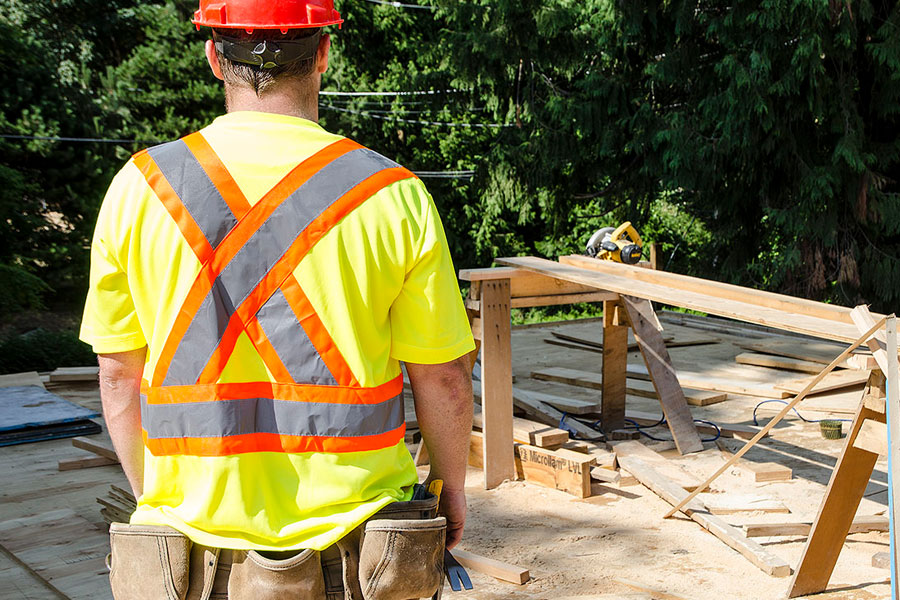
493, 292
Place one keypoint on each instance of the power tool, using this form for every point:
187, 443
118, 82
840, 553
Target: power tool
620, 244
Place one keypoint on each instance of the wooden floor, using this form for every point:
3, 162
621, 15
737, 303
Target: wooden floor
53, 541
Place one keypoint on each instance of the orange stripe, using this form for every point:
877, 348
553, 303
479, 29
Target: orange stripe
285, 266
163, 190
317, 333
266, 351
218, 174
292, 392
235, 240
271, 442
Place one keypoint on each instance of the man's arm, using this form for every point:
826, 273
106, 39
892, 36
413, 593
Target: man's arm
443, 398
120, 393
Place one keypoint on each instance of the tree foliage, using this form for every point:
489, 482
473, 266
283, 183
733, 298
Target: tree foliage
758, 142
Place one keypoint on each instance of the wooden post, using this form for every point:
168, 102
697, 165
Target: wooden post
892, 407
662, 373
613, 370
842, 497
496, 381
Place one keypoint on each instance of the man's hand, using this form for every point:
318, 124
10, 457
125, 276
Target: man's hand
453, 507
443, 398
120, 393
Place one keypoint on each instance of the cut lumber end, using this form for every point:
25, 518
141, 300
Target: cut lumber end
489, 566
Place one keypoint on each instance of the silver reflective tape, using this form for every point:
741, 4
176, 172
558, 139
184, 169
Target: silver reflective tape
204, 332
223, 418
264, 248
195, 189
290, 341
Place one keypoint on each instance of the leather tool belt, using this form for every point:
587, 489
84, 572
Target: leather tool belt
396, 555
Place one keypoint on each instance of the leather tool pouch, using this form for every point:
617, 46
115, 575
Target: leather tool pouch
148, 562
256, 577
401, 559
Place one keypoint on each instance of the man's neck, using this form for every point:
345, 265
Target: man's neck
284, 100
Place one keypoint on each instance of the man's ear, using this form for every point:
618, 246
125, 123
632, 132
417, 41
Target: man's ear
322, 53
213, 59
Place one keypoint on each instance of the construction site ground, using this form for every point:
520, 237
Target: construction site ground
614, 544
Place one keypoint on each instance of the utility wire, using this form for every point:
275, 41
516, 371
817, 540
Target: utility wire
401, 5
468, 174
394, 93
415, 121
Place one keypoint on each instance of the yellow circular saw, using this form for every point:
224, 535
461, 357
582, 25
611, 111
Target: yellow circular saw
620, 244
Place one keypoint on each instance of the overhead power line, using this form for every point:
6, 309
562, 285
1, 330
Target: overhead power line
415, 121
401, 5
467, 174
391, 93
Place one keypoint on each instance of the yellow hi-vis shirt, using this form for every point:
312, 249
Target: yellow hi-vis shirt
382, 283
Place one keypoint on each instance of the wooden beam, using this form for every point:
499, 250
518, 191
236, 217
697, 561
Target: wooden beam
716, 289
85, 463
701, 381
496, 371
842, 497
859, 525
877, 343
645, 389
489, 566
665, 467
834, 381
615, 359
694, 509
777, 418
872, 437
21, 379
742, 310
559, 469
530, 402
893, 421
529, 432
777, 362
646, 329
525, 284
95, 447
64, 374
808, 350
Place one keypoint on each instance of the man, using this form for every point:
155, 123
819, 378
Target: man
254, 289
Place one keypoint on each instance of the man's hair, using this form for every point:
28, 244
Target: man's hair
257, 77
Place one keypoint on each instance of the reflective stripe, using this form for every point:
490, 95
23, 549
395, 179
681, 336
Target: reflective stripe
290, 341
195, 189
253, 262
224, 418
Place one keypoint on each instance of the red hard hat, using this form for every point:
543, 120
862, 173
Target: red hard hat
266, 14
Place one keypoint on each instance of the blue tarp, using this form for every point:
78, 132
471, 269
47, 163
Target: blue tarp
31, 406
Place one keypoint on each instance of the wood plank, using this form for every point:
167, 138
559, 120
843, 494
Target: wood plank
531, 404
668, 469
66, 374
560, 469
842, 497
615, 359
605, 475
833, 381
645, 389
777, 362
496, 368
572, 406
95, 447
743, 310
701, 381
877, 343
808, 350
21, 379
535, 434
729, 504
761, 471
476, 450
859, 525
85, 463
493, 568
647, 329
777, 418
893, 426
716, 289
872, 437
728, 534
